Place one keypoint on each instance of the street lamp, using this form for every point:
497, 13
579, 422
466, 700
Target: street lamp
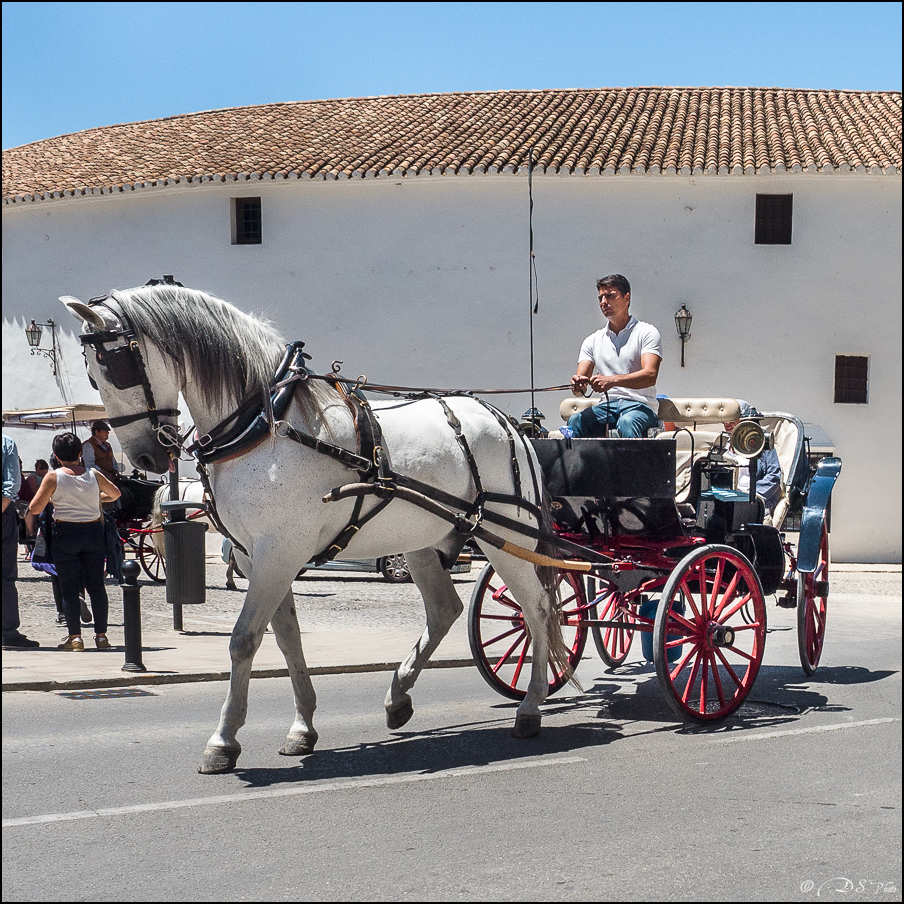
33, 333
683, 320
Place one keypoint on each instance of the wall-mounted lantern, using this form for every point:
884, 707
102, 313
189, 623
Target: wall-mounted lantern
683, 320
33, 333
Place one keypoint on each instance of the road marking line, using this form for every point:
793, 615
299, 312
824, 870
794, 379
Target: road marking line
244, 796
798, 731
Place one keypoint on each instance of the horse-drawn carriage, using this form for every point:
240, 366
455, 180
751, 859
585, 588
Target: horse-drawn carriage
301, 467
682, 556
136, 527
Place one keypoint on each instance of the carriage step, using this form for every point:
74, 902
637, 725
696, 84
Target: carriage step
786, 602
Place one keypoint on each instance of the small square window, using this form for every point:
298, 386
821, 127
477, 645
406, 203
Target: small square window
773, 220
851, 379
246, 221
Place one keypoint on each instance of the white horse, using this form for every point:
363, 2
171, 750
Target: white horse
271, 499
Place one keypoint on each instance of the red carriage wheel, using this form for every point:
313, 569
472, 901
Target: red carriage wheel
611, 643
500, 640
812, 603
152, 563
706, 648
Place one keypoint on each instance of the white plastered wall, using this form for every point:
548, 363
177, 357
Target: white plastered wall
424, 281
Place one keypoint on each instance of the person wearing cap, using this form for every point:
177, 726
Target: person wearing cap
768, 468
621, 362
98, 453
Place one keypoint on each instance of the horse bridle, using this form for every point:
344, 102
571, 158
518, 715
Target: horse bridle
124, 365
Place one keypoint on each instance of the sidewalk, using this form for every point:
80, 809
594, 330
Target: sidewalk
332, 642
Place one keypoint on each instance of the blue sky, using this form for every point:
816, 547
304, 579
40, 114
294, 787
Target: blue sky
74, 66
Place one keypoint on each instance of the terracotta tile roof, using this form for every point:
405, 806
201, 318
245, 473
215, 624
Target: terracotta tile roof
587, 131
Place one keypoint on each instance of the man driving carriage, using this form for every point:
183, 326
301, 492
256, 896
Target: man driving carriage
621, 362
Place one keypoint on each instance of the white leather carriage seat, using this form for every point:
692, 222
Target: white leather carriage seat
703, 419
689, 413
785, 439
698, 424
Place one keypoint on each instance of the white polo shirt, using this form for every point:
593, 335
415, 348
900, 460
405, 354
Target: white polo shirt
620, 354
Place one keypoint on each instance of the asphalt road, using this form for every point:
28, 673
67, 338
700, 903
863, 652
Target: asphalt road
796, 797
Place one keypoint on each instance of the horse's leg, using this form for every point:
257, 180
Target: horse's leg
302, 737
442, 606
266, 591
539, 614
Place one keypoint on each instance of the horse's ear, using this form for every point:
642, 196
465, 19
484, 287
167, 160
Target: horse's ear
85, 313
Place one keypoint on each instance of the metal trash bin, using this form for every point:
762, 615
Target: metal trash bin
186, 579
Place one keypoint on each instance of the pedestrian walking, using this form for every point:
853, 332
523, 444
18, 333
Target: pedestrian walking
79, 548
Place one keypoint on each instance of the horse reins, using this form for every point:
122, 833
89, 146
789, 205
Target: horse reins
236, 435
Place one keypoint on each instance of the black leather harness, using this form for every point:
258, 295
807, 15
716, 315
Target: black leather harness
251, 424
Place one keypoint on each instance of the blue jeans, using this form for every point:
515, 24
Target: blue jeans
632, 419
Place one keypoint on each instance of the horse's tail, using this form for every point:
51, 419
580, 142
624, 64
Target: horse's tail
157, 516
157, 519
559, 656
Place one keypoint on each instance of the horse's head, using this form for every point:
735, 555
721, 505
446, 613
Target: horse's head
139, 392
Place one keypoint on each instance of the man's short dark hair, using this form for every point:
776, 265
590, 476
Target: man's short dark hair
614, 281
40, 463
99, 425
67, 447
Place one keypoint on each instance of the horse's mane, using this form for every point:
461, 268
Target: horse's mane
227, 351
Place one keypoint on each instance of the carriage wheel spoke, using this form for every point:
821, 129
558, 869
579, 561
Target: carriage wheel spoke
728, 667
688, 595
728, 595
743, 601
502, 636
518, 668
503, 660
690, 681
677, 621
714, 669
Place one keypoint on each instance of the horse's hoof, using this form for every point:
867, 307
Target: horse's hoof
398, 715
526, 727
299, 744
216, 760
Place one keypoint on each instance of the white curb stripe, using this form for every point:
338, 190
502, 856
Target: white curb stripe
245, 796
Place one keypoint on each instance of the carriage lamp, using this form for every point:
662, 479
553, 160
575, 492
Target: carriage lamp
683, 320
33, 333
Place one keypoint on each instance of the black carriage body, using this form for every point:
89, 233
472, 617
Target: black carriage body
137, 499
616, 487
626, 488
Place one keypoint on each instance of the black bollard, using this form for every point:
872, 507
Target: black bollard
131, 617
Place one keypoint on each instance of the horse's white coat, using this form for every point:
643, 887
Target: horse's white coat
270, 500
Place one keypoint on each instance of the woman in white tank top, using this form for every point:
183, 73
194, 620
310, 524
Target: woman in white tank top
79, 550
